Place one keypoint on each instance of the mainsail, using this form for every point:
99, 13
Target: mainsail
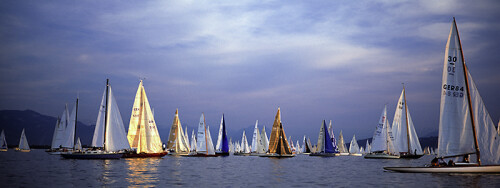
353, 146
69, 132
331, 132
177, 139
255, 136
78, 145
23, 142
341, 146
142, 133
325, 144
265, 140
204, 143
244, 144
222, 143
278, 143
405, 136
382, 137
193, 142
465, 126
3, 141
60, 129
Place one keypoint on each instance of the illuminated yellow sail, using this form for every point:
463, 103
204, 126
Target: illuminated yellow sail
278, 143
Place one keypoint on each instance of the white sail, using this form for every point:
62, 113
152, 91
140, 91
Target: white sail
116, 138
218, 147
402, 121
320, 147
341, 145
186, 138
201, 140
456, 131
210, 144
382, 137
265, 139
298, 149
254, 137
69, 132
244, 144
353, 146
98, 138
367, 147
23, 142
143, 133
3, 141
193, 142
60, 129
78, 145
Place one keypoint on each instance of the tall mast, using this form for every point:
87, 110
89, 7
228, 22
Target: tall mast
76, 120
406, 117
106, 112
206, 139
472, 118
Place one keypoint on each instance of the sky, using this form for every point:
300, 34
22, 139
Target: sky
316, 60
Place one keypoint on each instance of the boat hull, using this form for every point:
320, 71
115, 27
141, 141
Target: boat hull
410, 156
92, 155
143, 155
242, 154
344, 154
356, 154
222, 153
277, 155
3, 149
380, 156
177, 154
324, 154
198, 155
448, 169
22, 150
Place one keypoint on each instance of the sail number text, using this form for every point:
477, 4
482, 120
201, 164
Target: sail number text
455, 91
451, 67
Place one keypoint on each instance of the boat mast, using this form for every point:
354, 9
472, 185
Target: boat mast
472, 119
106, 113
206, 141
406, 117
76, 120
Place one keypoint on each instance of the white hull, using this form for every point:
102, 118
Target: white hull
356, 154
344, 154
451, 169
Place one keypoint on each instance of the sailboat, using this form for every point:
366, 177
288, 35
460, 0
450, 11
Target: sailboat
465, 126
255, 137
298, 148
264, 139
244, 148
3, 142
192, 148
325, 146
354, 149
177, 143
23, 143
222, 147
405, 136
368, 147
110, 140
334, 141
204, 144
342, 147
278, 145
78, 145
306, 146
382, 143
59, 132
143, 136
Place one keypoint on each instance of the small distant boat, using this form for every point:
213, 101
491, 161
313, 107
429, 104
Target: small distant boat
325, 147
278, 145
342, 147
3, 142
110, 140
63, 139
367, 147
405, 136
298, 148
244, 148
222, 147
354, 147
177, 143
23, 143
465, 126
306, 146
382, 143
204, 144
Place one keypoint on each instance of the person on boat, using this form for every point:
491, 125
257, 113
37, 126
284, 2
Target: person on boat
438, 162
466, 159
451, 163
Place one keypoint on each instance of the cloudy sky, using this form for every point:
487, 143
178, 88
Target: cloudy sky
338, 60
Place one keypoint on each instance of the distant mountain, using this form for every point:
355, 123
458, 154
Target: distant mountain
38, 128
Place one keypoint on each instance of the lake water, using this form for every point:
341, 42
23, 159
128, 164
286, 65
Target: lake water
39, 169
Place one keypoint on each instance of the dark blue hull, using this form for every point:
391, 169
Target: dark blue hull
92, 156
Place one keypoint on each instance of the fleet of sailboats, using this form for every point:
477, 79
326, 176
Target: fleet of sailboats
467, 134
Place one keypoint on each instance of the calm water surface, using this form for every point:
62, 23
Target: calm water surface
39, 169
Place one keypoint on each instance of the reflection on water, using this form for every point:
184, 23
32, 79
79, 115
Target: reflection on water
143, 171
